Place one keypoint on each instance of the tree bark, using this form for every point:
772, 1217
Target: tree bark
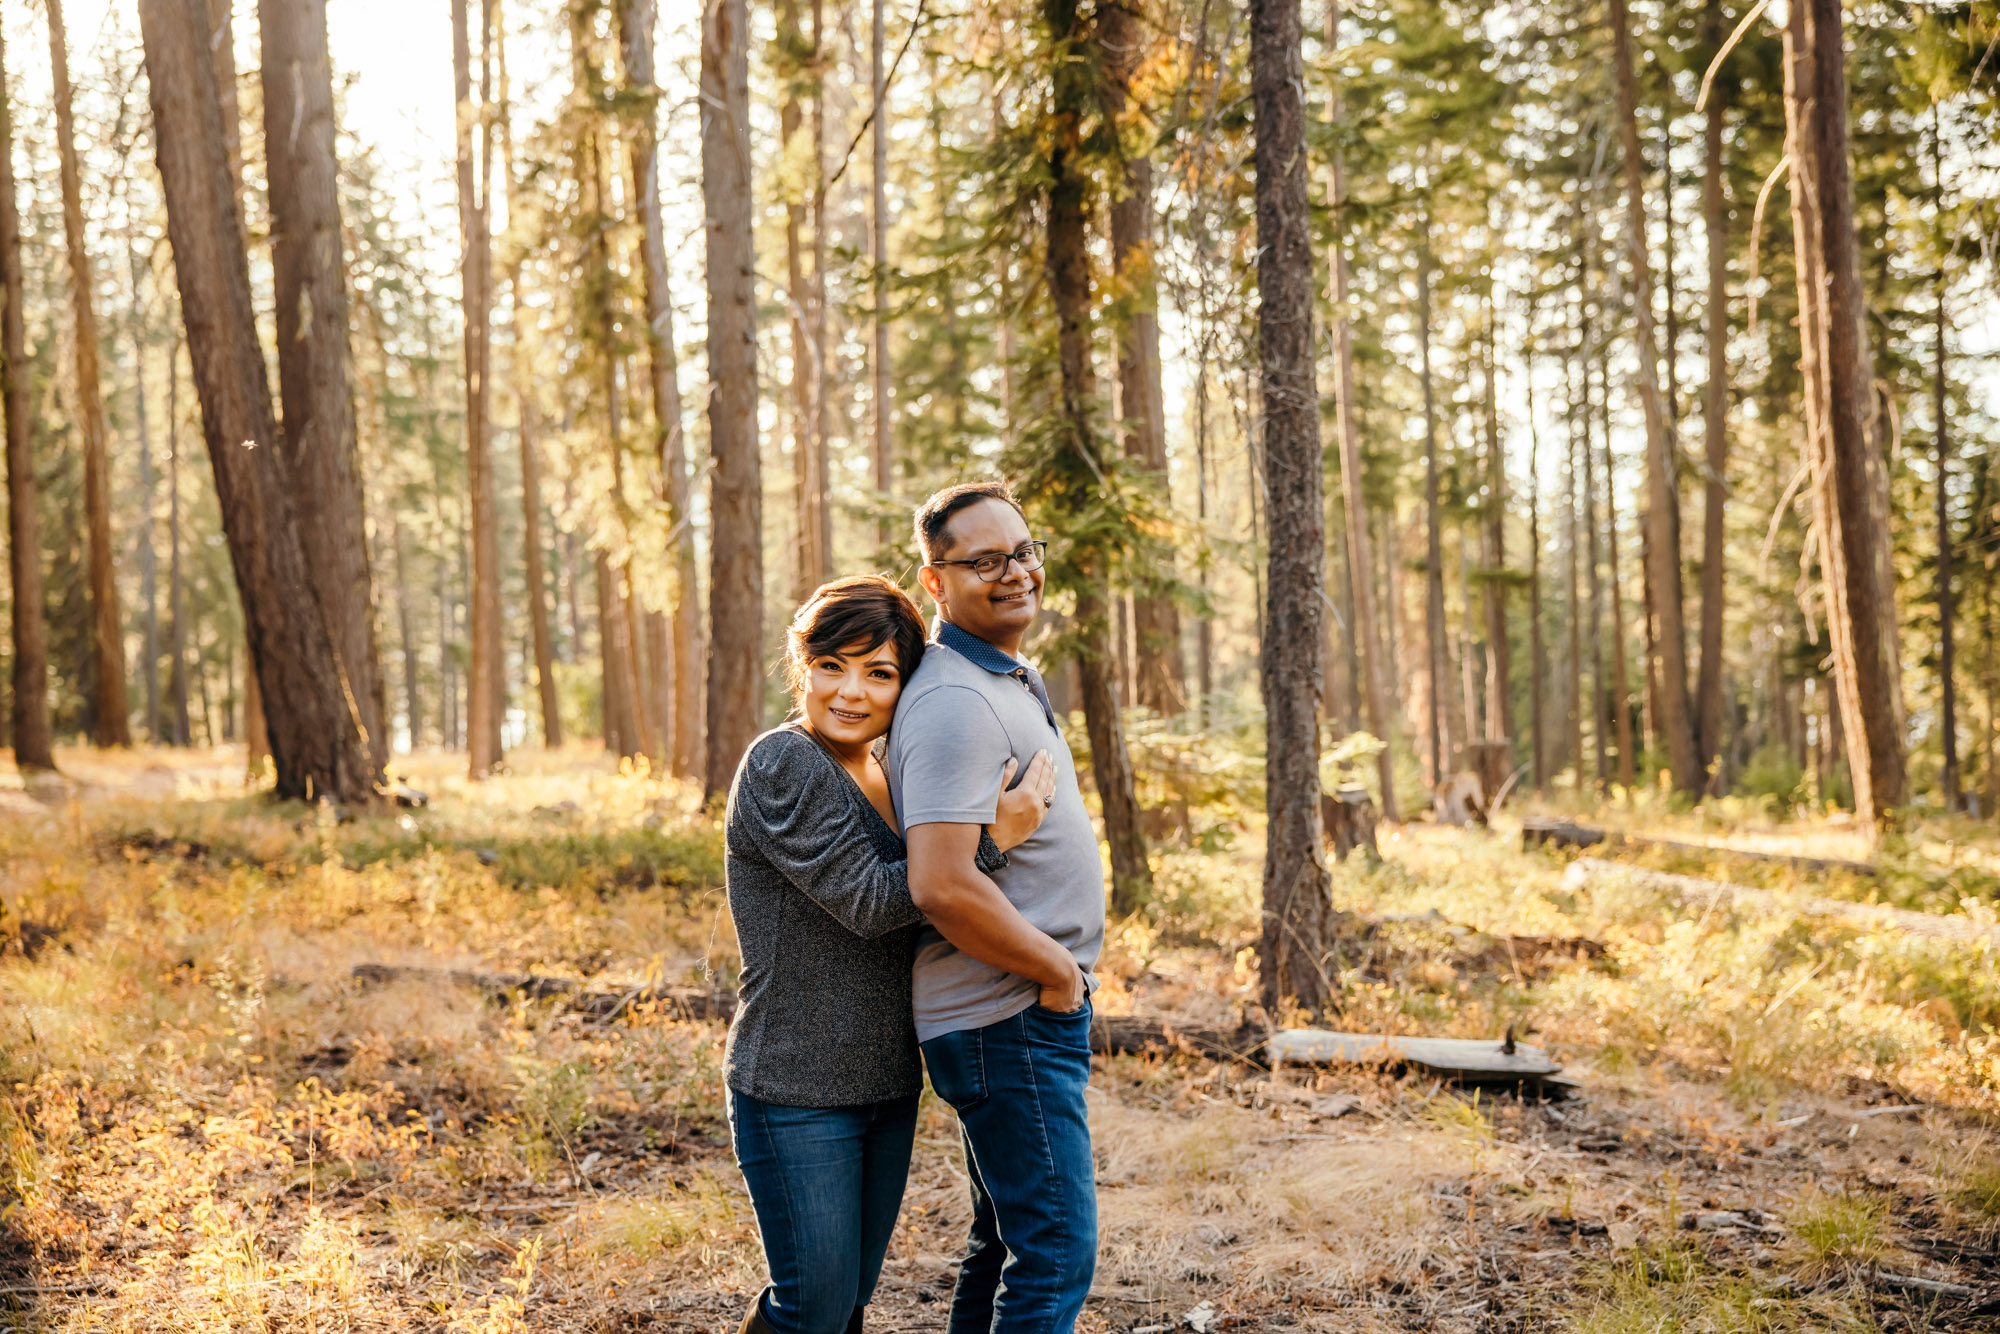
177, 685
736, 547
1067, 270
29, 714
1947, 685
878, 278
487, 689
309, 281
813, 550
109, 723
316, 733
1851, 485
1499, 666
1537, 664
531, 541
1298, 916
221, 40
819, 476
682, 725
149, 561
1621, 689
1360, 562
1434, 646
1662, 506
1715, 422
527, 424
1573, 702
1599, 693
1122, 34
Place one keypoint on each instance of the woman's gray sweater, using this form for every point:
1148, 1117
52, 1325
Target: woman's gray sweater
820, 897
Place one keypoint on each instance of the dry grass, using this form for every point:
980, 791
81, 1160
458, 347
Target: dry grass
206, 1125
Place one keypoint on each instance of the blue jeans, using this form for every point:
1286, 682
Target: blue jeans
1018, 1089
826, 1184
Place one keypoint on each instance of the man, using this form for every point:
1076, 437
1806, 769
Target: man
1006, 1041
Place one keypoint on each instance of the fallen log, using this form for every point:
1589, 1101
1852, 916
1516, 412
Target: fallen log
679, 1002
1461, 1060
1456, 1060
1542, 831
1586, 871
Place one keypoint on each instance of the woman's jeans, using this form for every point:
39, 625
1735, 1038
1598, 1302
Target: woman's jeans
827, 1183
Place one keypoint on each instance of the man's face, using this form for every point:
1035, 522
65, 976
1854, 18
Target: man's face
999, 612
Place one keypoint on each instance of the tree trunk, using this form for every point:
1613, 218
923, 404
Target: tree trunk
1299, 921
819, 477
814, 547
1110, 763
29, 716
736, 565
1068, 274
1205, 626
1360, 563
149, 562
487, 689
527, 423
1499, 667
316, 734
1573, 701
878, 278
1662, 505
1122, 35
177, 684
1621, 691
1599, 693
109, 723
406, 634
309, 281
1715, 423
620, 736
1947, 686
531, 541
682, 726
1537, 666
1434, 646
221, 40
1851, 486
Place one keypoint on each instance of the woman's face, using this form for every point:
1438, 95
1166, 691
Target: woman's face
850, 695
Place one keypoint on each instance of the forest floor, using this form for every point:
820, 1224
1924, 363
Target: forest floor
1784, 1122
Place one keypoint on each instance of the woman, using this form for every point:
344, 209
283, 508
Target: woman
822, 1068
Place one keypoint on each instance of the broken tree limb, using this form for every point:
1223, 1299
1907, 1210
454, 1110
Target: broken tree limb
1456, 1060
1587, 871
1929, 1287
1555, 833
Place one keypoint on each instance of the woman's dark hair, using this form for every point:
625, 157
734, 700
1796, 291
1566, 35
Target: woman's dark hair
863, 609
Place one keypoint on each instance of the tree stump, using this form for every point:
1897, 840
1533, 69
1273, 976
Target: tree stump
1493, 761
1460, 800
1350, 817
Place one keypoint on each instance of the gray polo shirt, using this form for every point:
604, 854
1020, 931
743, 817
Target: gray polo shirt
957, 723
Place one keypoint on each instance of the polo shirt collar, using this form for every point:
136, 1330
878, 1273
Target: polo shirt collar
976, 650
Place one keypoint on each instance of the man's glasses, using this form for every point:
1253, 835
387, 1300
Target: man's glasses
992, 567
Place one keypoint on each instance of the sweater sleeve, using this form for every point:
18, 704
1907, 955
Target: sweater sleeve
792, 806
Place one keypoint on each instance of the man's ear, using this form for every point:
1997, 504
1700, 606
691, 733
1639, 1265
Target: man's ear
933, 585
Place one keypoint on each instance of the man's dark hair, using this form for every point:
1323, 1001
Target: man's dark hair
863, 609
934, 515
